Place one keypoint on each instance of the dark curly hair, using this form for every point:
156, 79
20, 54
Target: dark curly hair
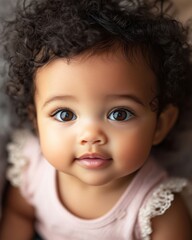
48, 29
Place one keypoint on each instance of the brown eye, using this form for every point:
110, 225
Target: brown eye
120, 115
65, 115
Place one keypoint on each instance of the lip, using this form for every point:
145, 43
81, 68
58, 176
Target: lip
93, 156
93, 160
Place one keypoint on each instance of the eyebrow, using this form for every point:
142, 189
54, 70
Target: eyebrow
127, 96
109, 97
59, 98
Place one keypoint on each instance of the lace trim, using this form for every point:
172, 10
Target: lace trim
158, 203
16, 159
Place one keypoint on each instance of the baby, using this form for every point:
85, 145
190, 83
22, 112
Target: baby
97, 85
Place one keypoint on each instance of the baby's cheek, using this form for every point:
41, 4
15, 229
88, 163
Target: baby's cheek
132, 152
54, 150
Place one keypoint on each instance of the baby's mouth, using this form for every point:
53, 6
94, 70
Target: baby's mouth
93, 160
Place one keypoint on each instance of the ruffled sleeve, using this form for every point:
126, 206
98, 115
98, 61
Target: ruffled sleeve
157, 204
16, 158
24, 157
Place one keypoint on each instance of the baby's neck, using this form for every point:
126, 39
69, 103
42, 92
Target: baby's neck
90, 202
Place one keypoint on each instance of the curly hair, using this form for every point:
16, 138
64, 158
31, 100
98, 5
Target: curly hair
46, 29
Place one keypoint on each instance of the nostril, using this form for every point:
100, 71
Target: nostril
92, 137
91, 141
96, 141
83, 142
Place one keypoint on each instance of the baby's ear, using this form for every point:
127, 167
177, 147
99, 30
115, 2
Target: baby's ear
165, 122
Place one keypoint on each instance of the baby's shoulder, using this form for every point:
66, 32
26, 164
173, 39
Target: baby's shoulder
174, 223
163, 202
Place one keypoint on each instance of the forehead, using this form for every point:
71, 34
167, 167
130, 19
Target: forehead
105, 72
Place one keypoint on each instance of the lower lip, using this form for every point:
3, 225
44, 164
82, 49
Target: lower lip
93, 163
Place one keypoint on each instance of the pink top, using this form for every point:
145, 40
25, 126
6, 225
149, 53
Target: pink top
36, 179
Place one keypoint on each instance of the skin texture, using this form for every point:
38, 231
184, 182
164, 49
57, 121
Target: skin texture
83, 87
77, 103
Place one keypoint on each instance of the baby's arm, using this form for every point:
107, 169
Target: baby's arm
175, 224
18, 217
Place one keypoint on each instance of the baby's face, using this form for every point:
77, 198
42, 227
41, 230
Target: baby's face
94, 117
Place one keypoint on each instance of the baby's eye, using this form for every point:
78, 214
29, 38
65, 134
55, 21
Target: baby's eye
120, 114
64, 115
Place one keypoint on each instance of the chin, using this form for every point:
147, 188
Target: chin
95, 181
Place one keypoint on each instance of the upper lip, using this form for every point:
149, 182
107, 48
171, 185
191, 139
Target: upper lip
93, 155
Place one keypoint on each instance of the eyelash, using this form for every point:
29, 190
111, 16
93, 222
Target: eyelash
118, 109
63, 110
74, 117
